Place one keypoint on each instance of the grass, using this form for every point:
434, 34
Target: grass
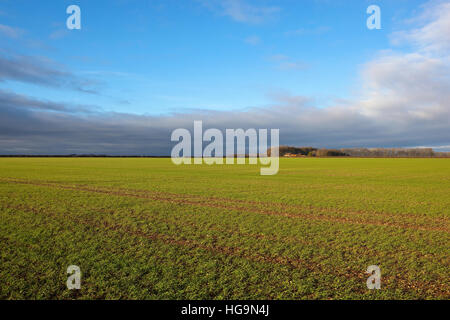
147, 229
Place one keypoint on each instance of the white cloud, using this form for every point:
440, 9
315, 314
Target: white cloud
433, 35
10, 32
289, 65
285, 63
312, 31
412, 87
59, 34
242, 11
253, 40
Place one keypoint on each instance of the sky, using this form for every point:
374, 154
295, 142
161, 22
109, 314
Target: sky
138, 69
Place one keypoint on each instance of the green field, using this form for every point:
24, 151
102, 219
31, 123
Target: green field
147, 229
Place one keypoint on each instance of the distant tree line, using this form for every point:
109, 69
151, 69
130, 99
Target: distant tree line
302, 151
390, 152
289, 151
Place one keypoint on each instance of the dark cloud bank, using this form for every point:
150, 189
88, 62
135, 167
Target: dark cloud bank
29, 126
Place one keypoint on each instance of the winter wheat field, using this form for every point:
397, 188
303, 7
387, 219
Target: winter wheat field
144, 228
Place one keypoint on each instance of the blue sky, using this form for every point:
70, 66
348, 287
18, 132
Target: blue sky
139, 69
161, 56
